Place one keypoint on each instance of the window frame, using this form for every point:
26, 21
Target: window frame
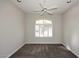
52, 26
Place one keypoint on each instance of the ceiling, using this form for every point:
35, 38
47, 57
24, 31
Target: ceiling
33, 5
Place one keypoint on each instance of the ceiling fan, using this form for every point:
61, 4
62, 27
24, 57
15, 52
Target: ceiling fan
45, 10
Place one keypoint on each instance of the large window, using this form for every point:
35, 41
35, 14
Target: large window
43, 28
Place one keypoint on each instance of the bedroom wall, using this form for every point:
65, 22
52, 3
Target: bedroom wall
11, 28
30, 29
71, 29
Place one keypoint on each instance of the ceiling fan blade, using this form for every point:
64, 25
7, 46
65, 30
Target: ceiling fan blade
52, 9
42, 13
41, 5
50, 13
36, 11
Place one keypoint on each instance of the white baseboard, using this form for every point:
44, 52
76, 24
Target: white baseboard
75, 53
43, 43
71, 50
15, 50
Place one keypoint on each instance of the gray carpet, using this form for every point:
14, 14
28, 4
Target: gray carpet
43, 51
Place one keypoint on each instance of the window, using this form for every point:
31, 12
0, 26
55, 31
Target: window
43, 28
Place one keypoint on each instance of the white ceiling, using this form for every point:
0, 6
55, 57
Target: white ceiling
31, 5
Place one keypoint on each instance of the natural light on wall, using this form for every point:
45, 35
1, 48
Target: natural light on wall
43, 28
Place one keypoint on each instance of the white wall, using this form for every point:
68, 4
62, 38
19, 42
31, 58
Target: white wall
71, 29
30, 30
11, 28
